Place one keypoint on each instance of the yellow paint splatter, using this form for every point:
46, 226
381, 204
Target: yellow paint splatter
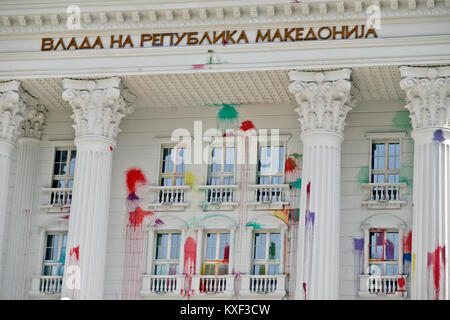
414, 263
190, 180
282, 214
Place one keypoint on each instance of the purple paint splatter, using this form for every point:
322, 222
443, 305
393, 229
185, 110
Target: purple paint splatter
438, 136
358, 244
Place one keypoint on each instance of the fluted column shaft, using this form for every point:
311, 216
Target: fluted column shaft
98, 108
323, 99
20, 221
428, 97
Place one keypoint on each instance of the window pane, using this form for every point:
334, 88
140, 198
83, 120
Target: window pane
59, 184
259, 269
273, 269
260, 246
175, 246
393, 178
229, 160
378, 178
264, 180
166, 182
264, 161
73, 157
180, 160
224, 252
275, 244
160, 269
215, 181
228, 180
179, 181
167, 160
173, 268
392, 246
392, 269
376, 269
161, 245
211, 242
216, 162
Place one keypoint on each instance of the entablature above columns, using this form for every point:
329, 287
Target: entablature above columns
100, 15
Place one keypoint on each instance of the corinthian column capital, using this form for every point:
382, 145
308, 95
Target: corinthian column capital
323, 98
33, 123
12, 109
428, 95
98, 106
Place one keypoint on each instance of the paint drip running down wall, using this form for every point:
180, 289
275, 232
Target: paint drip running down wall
135, 236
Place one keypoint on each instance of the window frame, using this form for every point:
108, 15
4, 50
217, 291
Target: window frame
271, 173
267, 261
174, 175
62, 146
222, 174
383, 262
56, 262
386, 171
216, 262
168, 261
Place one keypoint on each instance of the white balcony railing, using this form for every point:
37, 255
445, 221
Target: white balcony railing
220, 284
46, 285
57, 198
270, 195
169, 197
219, 196
162, 284
384, 195
373, 285
271, 286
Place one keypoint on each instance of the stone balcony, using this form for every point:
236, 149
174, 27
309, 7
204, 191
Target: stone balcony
46, 287
213, 286
384, 195
59, 200
219, 197
382, 287
168, 198
263, 287
163, 286
268, 196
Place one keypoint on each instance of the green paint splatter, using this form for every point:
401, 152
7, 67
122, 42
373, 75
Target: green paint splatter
297, 184
227, 118
254, 225
296, 155
272, 250
406, 176
402, 121
363, 175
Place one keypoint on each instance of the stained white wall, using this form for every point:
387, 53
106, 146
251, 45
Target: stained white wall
137, 147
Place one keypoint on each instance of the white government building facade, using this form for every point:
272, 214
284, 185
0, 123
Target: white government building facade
115, 182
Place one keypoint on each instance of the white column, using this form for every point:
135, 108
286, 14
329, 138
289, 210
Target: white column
323, 99
98, 107
22, 201
12, 109
183, 241
199, 253
428, 98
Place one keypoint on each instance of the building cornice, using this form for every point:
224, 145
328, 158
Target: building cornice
116, 16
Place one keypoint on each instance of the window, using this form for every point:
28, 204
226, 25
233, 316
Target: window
167, 253
217, 253
271, 165
55, 254
221, 169
385, 162
173, 166
383, 252
266, 253
64, 168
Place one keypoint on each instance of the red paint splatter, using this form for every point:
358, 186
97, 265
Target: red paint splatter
226, 254
111, 148
75, 251
407, 243
290, 165
401, 284
198, 66
247, 125
304, 288
66, 217
190, 255
136, 217
135, 177
308, 188
434, 258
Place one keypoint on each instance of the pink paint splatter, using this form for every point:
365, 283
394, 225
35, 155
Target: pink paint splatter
304, 288
198, 66
75, 251
434, 258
